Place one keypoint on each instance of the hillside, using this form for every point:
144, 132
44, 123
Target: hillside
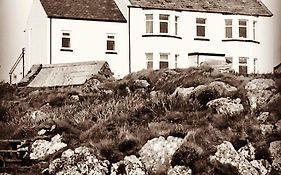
183, 121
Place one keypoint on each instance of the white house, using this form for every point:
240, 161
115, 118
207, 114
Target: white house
132, 35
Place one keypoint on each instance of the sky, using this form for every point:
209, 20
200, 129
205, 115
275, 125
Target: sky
14, 14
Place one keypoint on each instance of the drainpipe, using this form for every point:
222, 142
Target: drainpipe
23, 66
129, 25
50, 40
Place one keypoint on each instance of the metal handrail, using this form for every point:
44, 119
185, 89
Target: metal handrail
21, 57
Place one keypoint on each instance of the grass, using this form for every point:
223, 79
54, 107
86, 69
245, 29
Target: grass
118, 124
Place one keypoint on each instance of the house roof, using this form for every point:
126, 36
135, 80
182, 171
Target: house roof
236, 7
100, 10
67, 74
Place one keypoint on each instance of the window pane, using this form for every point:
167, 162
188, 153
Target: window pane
242, 22
66, 34
242, 32
110, 37
66, 42
228, 32
243, 60
149, 17
163, 27
149, 26
243, 69
164, 57
228, 22
164, 17
164, 64
200, 30
149, 64
200, 20
110, 45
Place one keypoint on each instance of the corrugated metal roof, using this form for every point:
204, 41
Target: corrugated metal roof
66, 74
103, 10
241, 7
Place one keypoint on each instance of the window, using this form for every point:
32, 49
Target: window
243, 28
149, 60
164, 23
228, 28
65, 42
149, 23
254, 30
243, 65
176, 25
201, 27
176, 60
229, 60
255, 65
110, 43
164, 61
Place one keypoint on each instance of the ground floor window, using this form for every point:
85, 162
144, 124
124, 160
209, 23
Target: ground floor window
255, 65
243, 65
229, 60
164, 61
149, 60
176, 60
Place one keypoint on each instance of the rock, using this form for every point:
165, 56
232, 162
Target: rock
182, 92
131, 165
223, 89
226, 106
42, 148
179, 170
278, 126
275, 153
248, 152
42, 132
263, 116
266, 129
78, 162
141, 83
34, 93
259, 91
92, 85
157, 153
262, 166
75, 97
38, 116
226, 154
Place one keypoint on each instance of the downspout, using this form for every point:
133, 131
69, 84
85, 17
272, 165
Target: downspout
23, 66
130, 64
50, 40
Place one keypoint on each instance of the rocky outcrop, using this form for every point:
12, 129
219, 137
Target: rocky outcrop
260, 91
248, 152
263, 117
182, 92
157, 153
79, 162
226, 154
179, 170
141, 84
275, 153
131, 165
223, 89
42, 148
266, 129
226, 106
262, 166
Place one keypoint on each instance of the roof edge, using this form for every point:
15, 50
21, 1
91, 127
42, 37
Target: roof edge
88, 19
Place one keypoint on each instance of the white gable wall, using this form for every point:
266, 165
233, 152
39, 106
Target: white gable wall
88, 43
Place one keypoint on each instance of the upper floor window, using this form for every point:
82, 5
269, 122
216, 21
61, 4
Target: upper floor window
228, 28
254, 29
164, 23
201, 27
149, 23
65, 42
110, 43
243, 65
149, 60
164, 61
243, 28
176, 25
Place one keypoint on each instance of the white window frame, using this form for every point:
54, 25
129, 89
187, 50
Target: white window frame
149, 59
201, 25
147, 22
164, 21
110, 39
243, 26
177, 25
66, 34
164, 60
254, 30
228, 26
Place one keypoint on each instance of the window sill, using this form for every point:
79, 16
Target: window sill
201, 39
67, 50
111, 52
241, 40
162, 35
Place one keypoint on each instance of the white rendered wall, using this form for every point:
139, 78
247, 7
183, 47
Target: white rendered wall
88, 42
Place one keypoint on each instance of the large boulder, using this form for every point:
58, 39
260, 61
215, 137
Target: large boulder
141, 84
262, 166
248, 152
42, 148
131, 165
227, 155
182, 92
260, 91
223, 89
78, 162
157, 153
179, 170
226, 106
275, 153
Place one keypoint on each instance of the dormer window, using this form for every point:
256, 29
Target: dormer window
149, 23
164, 23
228, 28
200, 27
243, 28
